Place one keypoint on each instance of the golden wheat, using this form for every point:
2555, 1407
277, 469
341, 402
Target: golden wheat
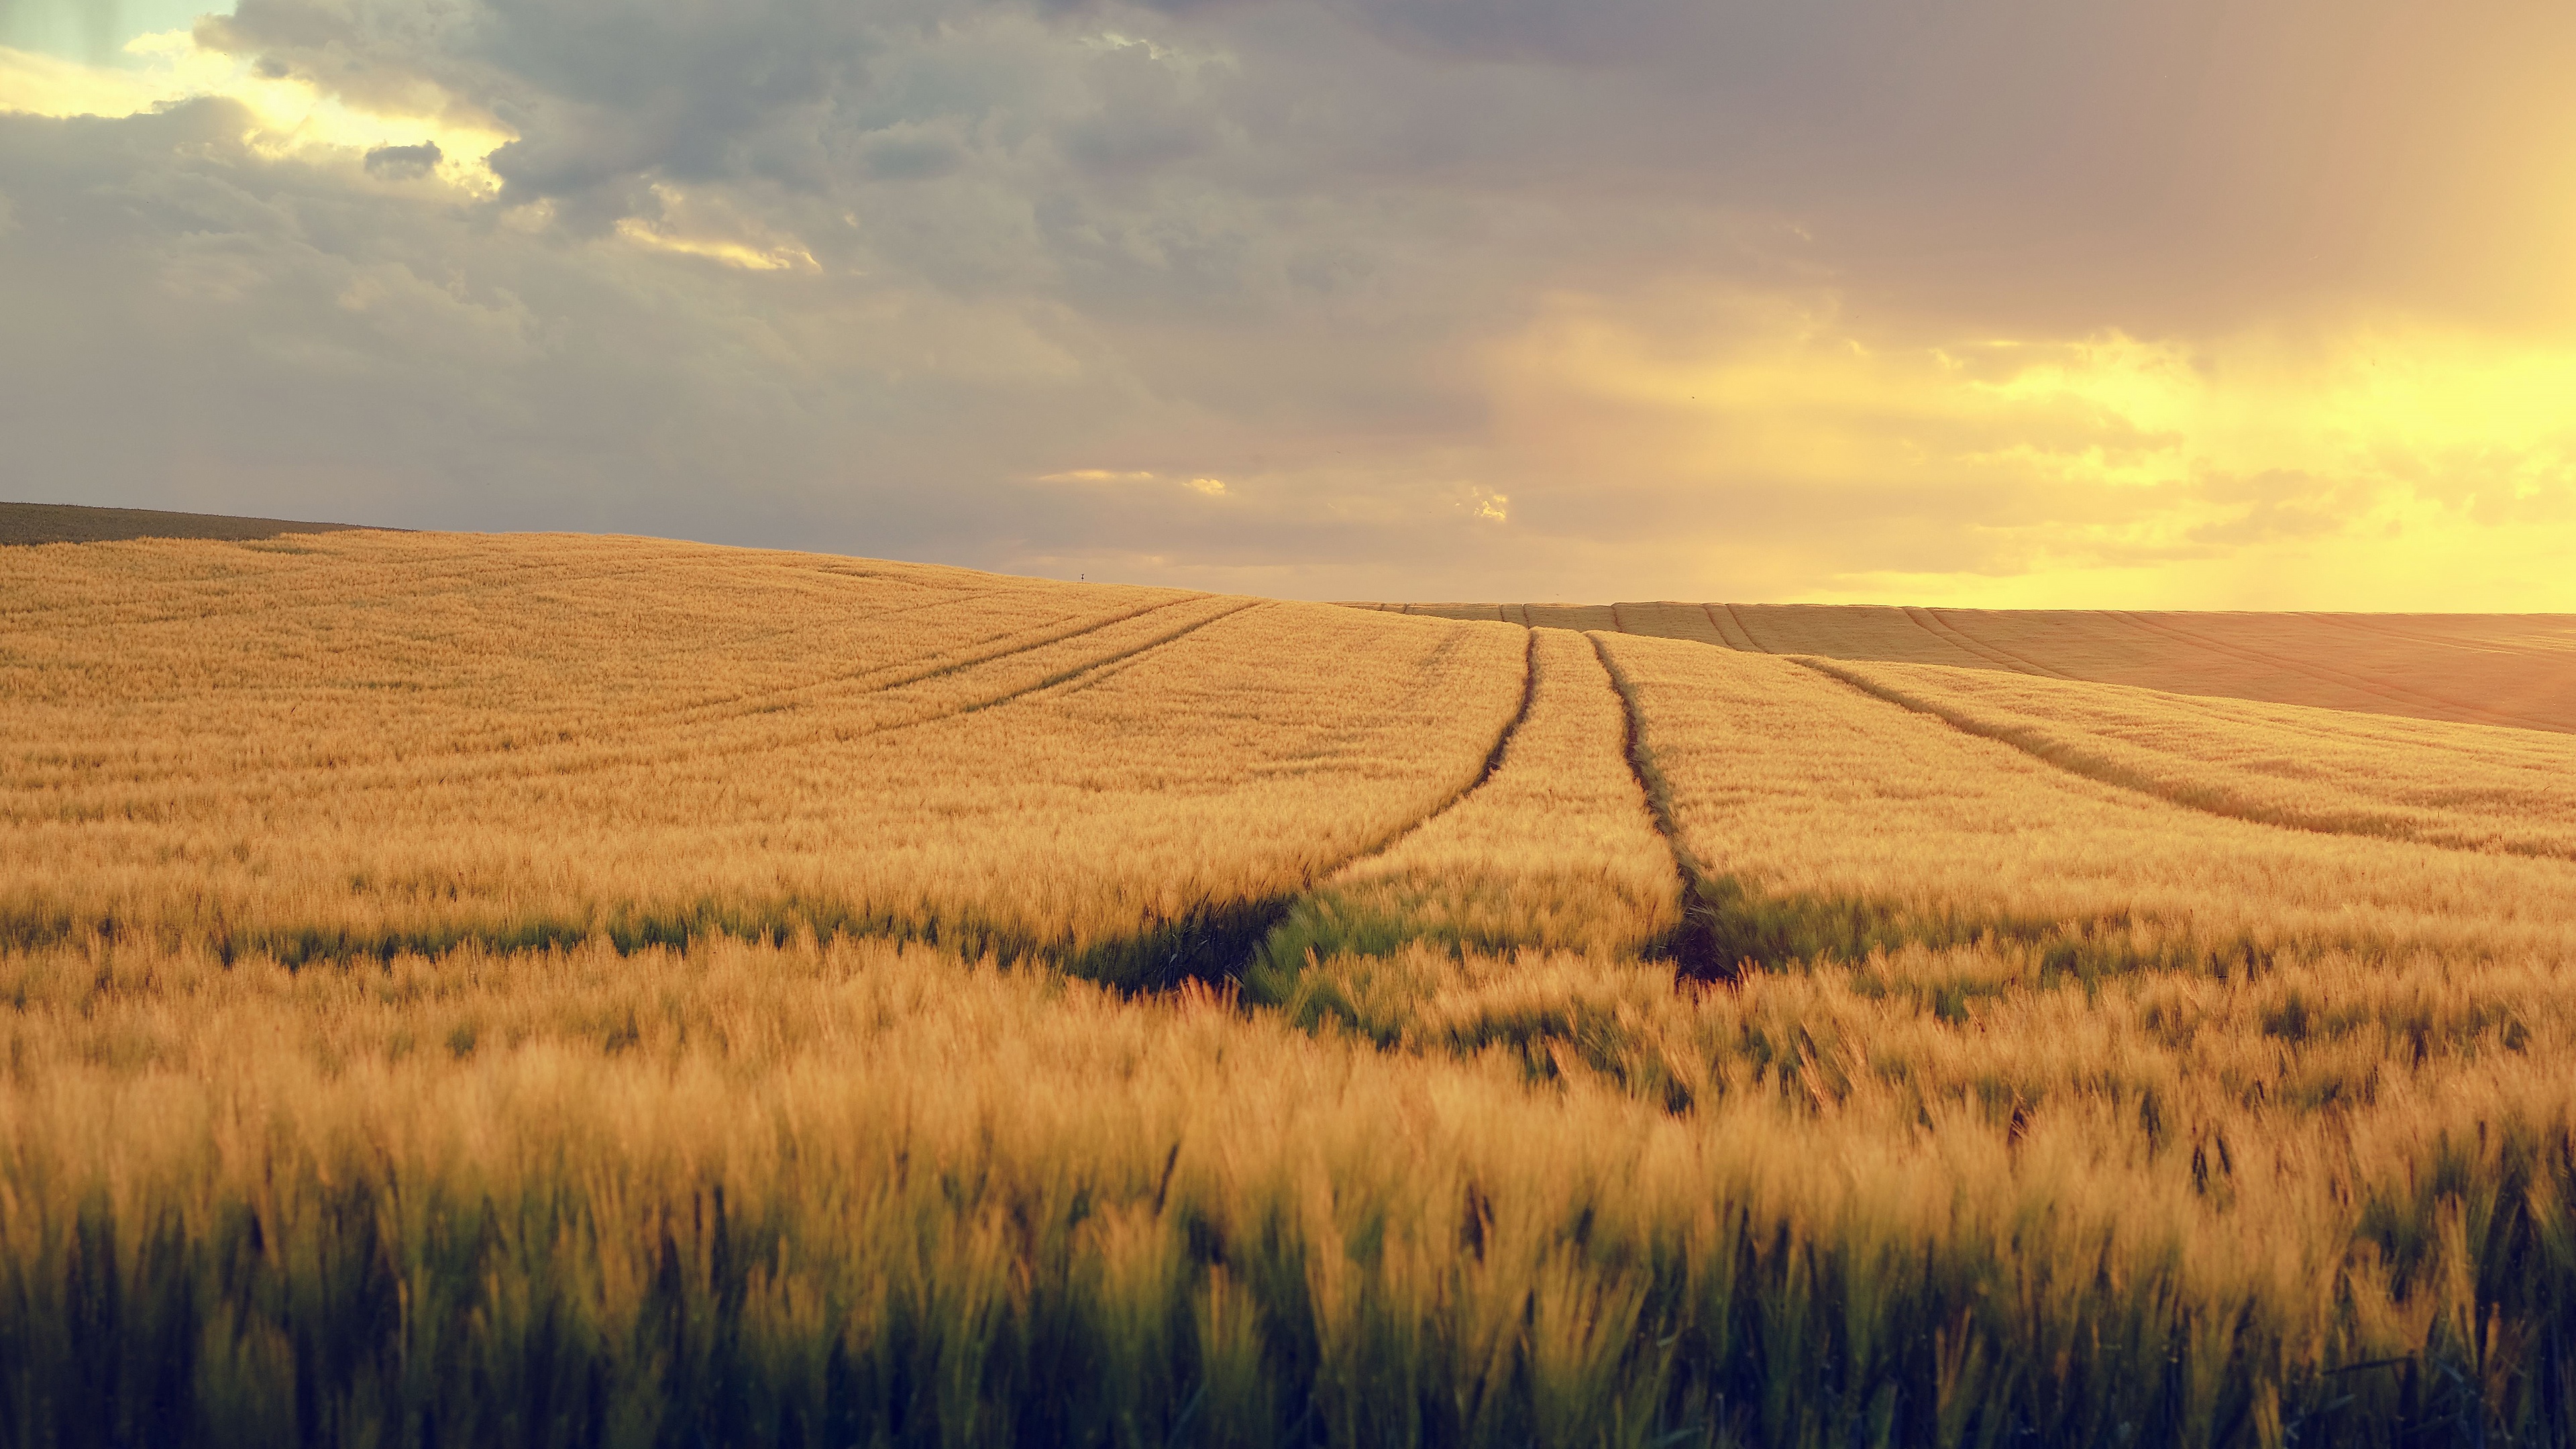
442, 1007
2503, 669
1032, 765
1848, 822
886, 1158
1554, 851
2471, 786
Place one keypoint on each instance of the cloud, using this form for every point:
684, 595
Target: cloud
404, 163
1331, 297
1205, 487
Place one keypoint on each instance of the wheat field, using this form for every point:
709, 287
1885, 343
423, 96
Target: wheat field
570, 991
376, 742
2515, 670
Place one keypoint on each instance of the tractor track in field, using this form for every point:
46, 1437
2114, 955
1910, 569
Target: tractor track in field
952, 661
507, 764
1493, 763
1943, 629
2393, 693
1080, 676
1694, 946
1731, 628
1269, 911
2085, 766
2369, 624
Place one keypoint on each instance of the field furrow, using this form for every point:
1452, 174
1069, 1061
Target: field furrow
1552, 851
1080, 799
1667, 620
1731, 630
1932, 621
317, 668
605, 745
2388, 693
1535, 920
2469, 787
2503, 669
1829, 823
1570, 616
1479, 612
1851, 631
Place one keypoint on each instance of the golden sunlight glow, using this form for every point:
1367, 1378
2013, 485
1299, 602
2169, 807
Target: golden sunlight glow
693, 225
2369, 465
287, 115
731, 253
1202, 485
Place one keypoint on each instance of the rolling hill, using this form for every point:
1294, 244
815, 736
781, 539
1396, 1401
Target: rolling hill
553, 989
34, 523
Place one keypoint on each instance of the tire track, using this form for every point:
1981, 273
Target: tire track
2394, 694
1212, 940
488, 766
1941, 628
1695, 949
1493, 763
1112, 664
1730, 629
628, 726
2369, 624
982, 651
474, 579
2102, 771
1275, 909
1737, 616
1207, 940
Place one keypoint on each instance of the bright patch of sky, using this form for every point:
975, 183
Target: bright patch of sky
96, 31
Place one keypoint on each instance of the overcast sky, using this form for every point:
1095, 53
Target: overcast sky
2127, 302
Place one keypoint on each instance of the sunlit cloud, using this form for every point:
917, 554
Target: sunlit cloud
695, 226
287, 115
1200, 484
1096, 475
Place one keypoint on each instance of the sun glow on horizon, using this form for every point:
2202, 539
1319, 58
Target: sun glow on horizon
2361, 465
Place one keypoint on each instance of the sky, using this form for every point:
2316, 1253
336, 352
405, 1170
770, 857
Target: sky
2129, 303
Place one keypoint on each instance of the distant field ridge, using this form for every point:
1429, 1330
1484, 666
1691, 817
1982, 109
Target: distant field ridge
34, 523
2515, 670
